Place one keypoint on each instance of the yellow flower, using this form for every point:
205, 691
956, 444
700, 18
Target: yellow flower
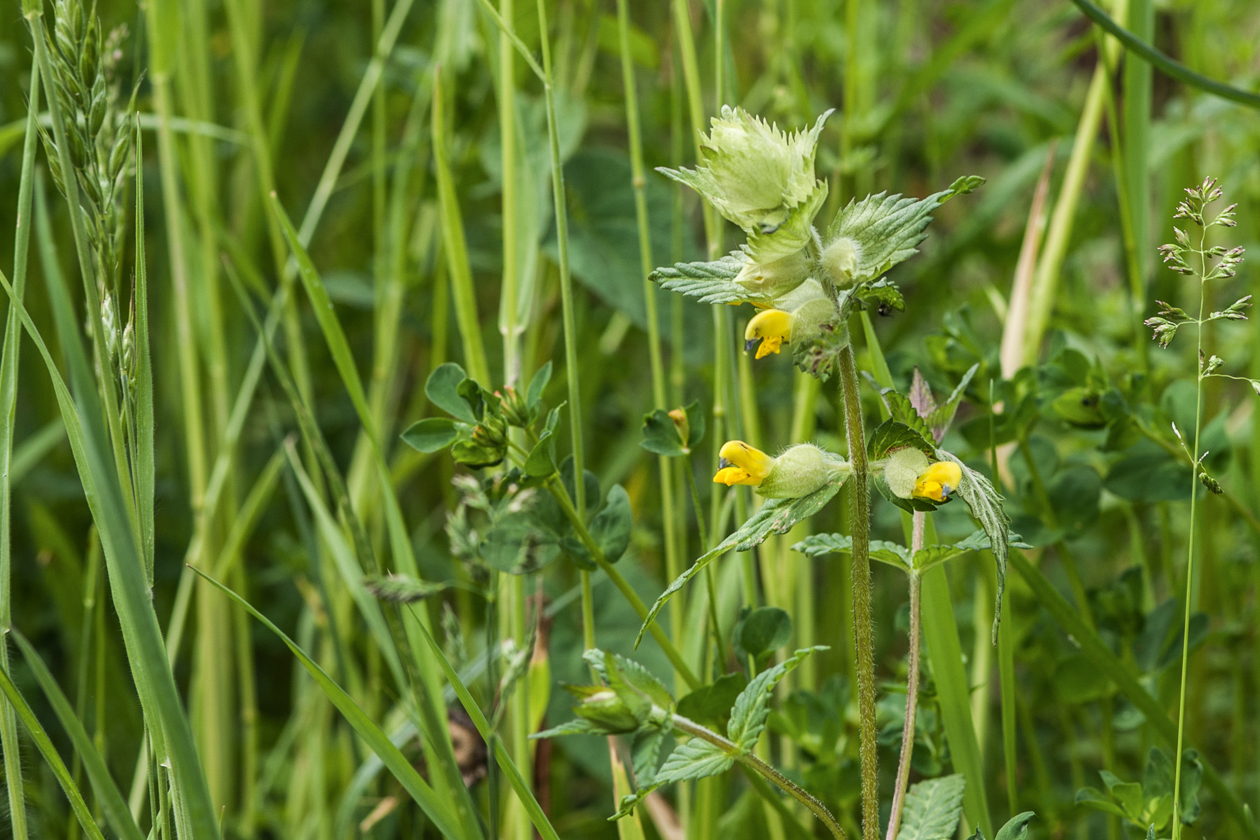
767, 331
938, 481
742, 464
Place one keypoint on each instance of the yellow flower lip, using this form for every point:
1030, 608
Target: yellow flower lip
938, 482
739, 463
769, 328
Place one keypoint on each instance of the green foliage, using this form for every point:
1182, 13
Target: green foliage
933, 808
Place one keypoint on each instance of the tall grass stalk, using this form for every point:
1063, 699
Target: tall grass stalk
9, 356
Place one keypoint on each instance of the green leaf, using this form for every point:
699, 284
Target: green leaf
520, 543
942, 416
577, 726
817, 545
711, 704
53, 759
887, 229
748, 716
763, 631
1094, 798
695, 759
113, 805
541, 462
986, 507
442, 389
431, 434
612, 526
1016, 827
933, 808
1128, 795
710, 282
635, 675
661, 435
891, 435
884, 295
776, 516
901, 409
533, 396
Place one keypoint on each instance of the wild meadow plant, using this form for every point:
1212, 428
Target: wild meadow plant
379, 653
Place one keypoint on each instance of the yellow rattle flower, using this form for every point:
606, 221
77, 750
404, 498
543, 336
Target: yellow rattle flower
767, 331
938, 481
742, 464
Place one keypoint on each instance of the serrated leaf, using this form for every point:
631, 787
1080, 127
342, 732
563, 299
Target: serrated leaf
795, 233
776, 516
986, 507
887, 229
921, 395
817, 545
933, 808
892, 435
635, 675
647, 752
933, 555
884, 295
748, 715
710, 282
402, 588
695, 759
902, 409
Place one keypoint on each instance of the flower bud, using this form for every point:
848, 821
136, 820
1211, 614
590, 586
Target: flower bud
801, 470
902, 470
840, 260
515, 410
608, 710
752, 172
682, 424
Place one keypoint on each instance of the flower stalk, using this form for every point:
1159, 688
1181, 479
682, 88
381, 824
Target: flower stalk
912, 683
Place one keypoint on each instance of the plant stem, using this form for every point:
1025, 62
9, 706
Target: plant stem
863, 625
912, 685
690, 727
561, 496
1194, 487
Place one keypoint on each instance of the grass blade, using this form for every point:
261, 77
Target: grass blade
107, 793
432, 805
49, 752
9, 355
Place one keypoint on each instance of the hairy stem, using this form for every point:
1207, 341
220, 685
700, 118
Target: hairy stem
690, 727
912, 686
863, 624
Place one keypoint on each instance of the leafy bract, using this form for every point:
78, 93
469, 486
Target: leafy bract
748, 715
710, 282
886, 229
932, 808
776, 516
986, 507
